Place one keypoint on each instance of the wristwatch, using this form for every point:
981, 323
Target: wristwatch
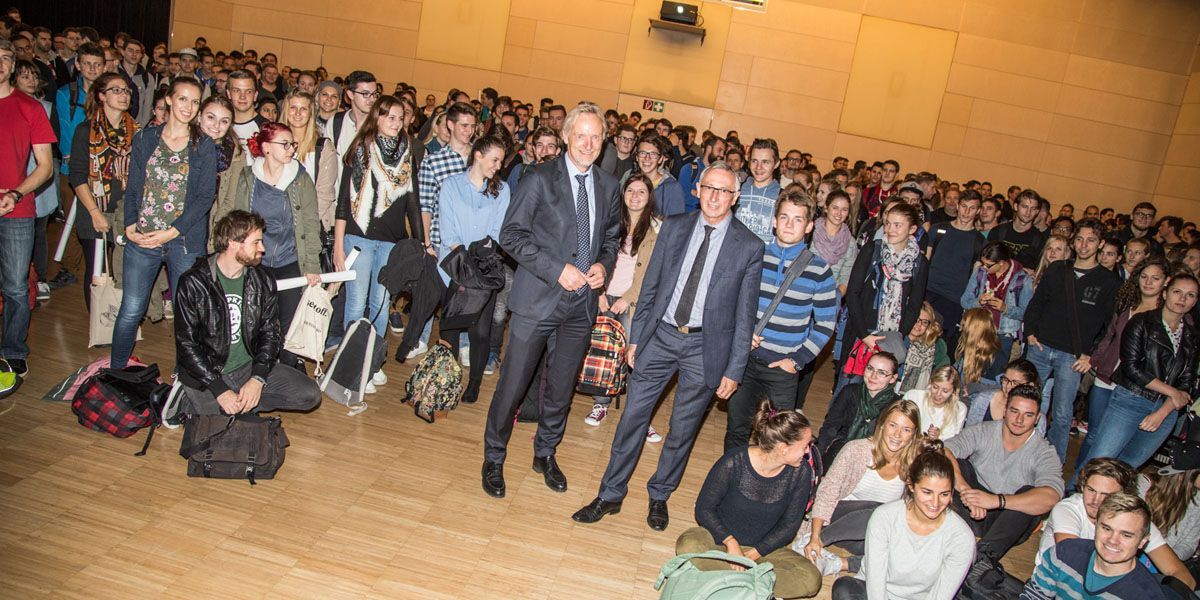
260, 379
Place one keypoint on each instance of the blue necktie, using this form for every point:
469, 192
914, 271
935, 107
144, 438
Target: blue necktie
687, 299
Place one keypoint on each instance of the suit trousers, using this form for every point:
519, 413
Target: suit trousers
571, 324
667, 352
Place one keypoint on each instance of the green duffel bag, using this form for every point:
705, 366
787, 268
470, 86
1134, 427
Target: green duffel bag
683, 581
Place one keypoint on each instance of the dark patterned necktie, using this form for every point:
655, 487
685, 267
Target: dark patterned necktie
583, 251
683, 311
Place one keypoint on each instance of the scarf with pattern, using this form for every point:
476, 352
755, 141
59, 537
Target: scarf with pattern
108, 156
897, 268
390, 177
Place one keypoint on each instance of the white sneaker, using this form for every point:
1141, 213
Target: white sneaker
828, 563
168, 309
379, 378
594, 418
370, 389
421, 348
464, 357
652, 435
43, 291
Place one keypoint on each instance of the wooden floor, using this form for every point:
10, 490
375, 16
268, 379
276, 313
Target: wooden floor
380, 505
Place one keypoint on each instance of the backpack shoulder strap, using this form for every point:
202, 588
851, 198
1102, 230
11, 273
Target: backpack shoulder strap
339, 120
794, 270
320, 147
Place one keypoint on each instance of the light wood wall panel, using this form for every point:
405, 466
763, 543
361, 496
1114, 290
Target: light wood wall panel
1077, 98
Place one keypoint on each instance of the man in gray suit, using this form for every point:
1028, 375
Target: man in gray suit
695, 316
562, 228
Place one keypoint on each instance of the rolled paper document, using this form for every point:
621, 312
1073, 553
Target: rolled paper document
295, 282
98, 260
350, 258
66, 233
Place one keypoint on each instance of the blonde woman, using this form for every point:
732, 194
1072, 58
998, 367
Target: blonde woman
319, 158
866, 473
978, 343
1055, 249
942, 411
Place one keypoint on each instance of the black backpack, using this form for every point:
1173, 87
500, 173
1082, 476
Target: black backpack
987, 580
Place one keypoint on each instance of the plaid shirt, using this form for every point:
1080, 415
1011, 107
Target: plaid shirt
435, 168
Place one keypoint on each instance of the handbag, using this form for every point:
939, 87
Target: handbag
122, 401
679, 579
856, 362
310, 326
106, 300
246, 446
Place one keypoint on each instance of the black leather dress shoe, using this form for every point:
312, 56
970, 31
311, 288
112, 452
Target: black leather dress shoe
493, 479
658, 519
596, 510
554, 477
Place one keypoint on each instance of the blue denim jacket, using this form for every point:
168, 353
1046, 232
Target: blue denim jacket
1016, 298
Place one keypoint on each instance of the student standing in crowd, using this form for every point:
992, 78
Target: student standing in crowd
25, 131
1023, 239
799, 327
1140, 293
1002, 287
313, 151
653, 152
171, 186
471, 207
1063, 321
100, 168
377, 207
1157, 371
639, 233
953, 248
756, 204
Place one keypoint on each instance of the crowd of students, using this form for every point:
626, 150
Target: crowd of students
961, 324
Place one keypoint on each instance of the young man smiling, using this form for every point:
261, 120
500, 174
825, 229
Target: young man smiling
756, 205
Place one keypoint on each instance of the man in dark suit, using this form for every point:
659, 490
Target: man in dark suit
695, 316
562, 228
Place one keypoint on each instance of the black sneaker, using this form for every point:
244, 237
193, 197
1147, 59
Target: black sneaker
396, 322
62, 280
18, 366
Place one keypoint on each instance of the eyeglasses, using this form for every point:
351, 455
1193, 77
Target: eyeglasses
117, 90
720, 192
1143, 213
365, 94
925, 322
286, 145
644, 154
988, 266
869, 370
626, 139
1010, 382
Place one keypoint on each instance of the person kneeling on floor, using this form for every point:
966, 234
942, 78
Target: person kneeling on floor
754, 500
227, 331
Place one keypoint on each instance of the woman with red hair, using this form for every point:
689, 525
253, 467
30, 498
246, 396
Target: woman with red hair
278, 189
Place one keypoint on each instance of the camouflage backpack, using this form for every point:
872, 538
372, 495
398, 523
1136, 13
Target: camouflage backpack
436, 383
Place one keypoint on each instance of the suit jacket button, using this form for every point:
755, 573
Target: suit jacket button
572, 255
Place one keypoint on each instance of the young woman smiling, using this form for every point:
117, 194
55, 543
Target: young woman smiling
172, 182
916, 547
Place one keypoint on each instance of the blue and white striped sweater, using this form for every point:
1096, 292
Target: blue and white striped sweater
805, 319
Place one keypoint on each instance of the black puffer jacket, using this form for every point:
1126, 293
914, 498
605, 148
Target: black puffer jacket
202, 325
1147, 354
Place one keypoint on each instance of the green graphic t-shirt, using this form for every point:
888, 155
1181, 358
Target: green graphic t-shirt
234, 289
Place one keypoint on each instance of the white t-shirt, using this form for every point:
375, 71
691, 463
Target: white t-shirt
873, 488
1070, 516
243, 131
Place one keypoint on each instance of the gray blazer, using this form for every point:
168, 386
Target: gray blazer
731, 304
539, 233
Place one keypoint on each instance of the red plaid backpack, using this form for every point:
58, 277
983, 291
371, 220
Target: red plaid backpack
603, 372
120, 402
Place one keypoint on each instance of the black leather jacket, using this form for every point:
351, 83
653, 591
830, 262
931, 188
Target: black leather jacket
202, 325
1147, 354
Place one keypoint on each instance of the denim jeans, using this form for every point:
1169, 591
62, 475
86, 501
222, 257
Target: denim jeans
365, 296
16, 252
1117, 433
1056, 364
1097, 402
140, 270
996, 369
